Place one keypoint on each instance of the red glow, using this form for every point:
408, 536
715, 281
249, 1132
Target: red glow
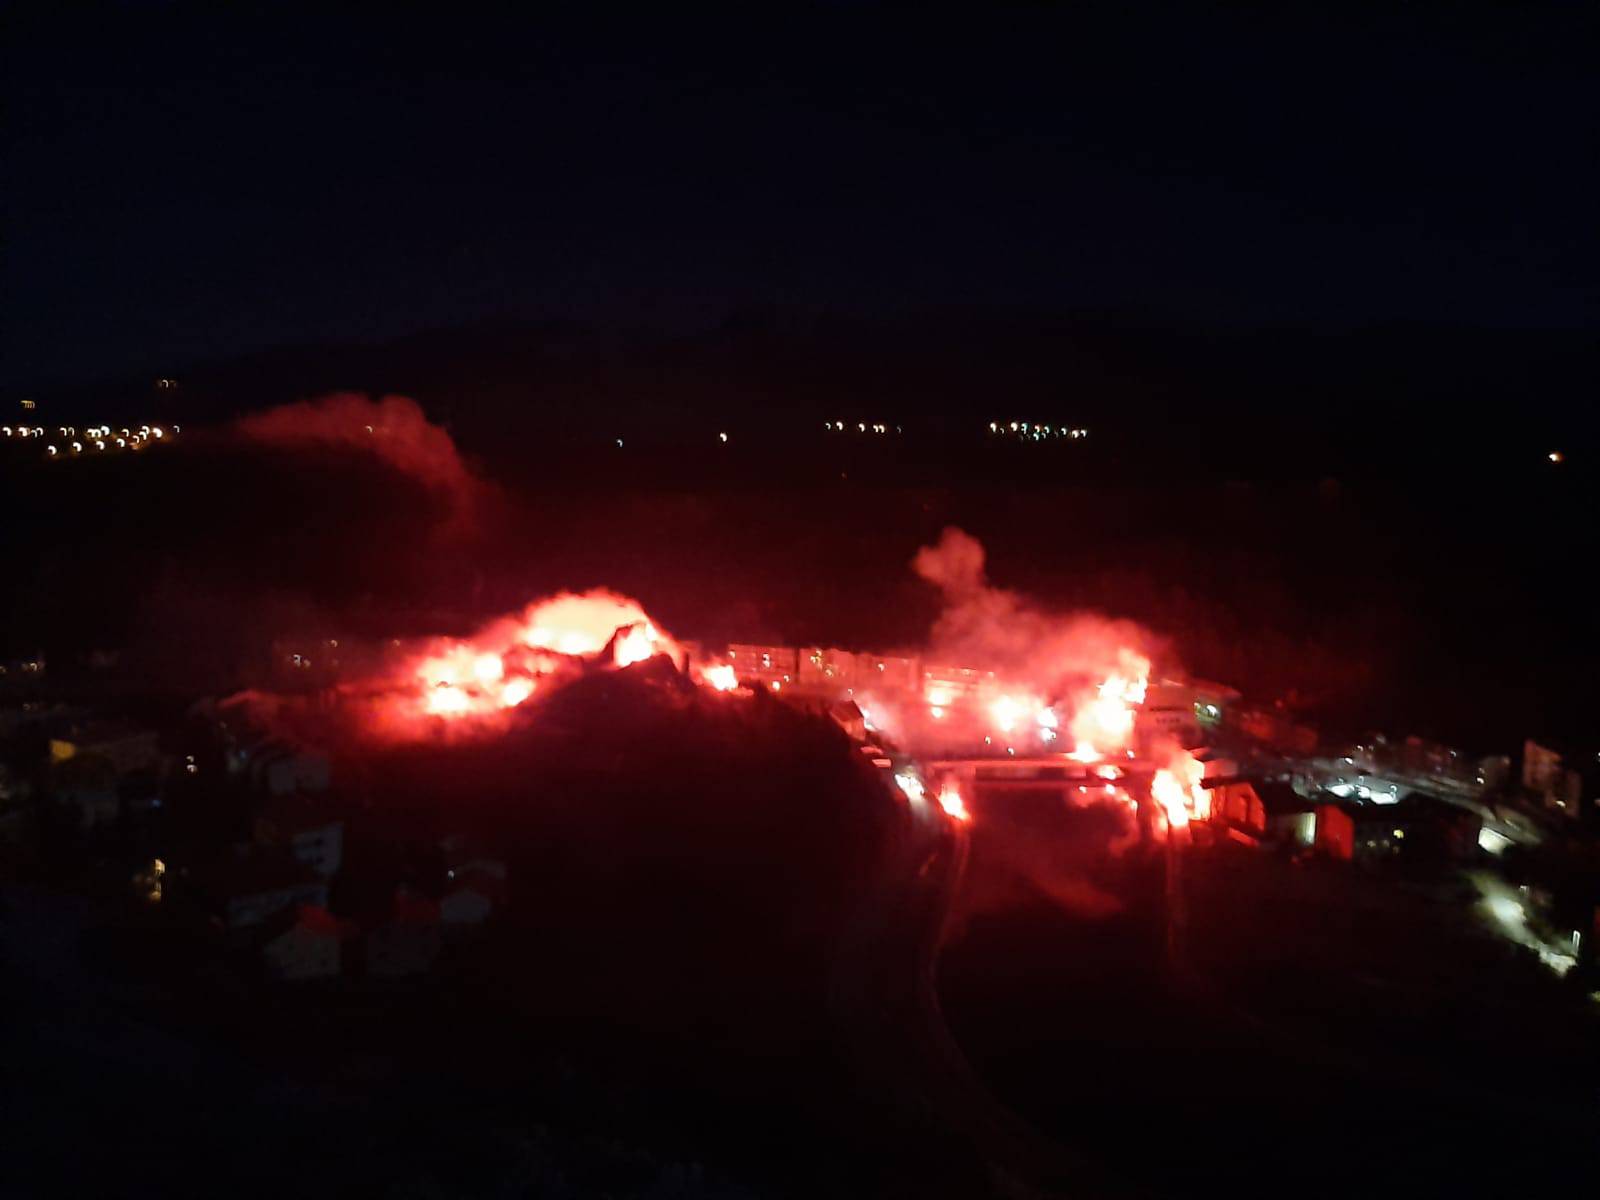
719, 677
950, 800
475, 682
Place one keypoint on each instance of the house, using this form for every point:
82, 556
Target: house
823, 668
86, 784
1264, 810
408, 942
1418, 829
243, 890
1336, 832
474, 883
877, 672
127, 747
463, 854
307, 831
469, 902
308, 947
279, 769
1181, 711
772, 667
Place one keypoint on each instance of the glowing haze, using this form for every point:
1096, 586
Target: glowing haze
1023, 680
471, 685
394, 430
1017, 675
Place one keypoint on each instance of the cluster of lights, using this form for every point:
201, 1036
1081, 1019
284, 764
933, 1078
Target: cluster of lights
860, 427
1023, 431
94, 437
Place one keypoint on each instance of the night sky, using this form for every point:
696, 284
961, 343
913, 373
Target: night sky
183, 185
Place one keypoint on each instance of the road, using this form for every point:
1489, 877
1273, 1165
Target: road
885, 996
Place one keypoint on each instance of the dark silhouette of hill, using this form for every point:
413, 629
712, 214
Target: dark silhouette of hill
1353, 399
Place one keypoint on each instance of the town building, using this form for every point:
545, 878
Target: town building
244, 889
464, 855
86, 786
309, 947
309, 833
1261, 810
772, 667
124, 745
408, 941
469, 901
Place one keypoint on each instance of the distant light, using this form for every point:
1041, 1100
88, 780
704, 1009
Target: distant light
619, 443
722, 437
1556, 456
156, 432
52, 450
77, 447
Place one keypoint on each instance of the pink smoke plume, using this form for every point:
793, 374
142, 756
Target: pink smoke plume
395, 430
1001, 631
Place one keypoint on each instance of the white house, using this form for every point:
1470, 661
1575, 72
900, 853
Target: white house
311, 835
308, 949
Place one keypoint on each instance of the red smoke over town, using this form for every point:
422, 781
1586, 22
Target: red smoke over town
394, 430
998, 677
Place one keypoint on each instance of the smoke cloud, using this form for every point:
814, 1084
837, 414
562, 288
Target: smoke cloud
394, 430
1080, 675
999, 630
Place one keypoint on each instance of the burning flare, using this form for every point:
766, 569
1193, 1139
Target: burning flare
1176, 787
504, 665
950, 800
